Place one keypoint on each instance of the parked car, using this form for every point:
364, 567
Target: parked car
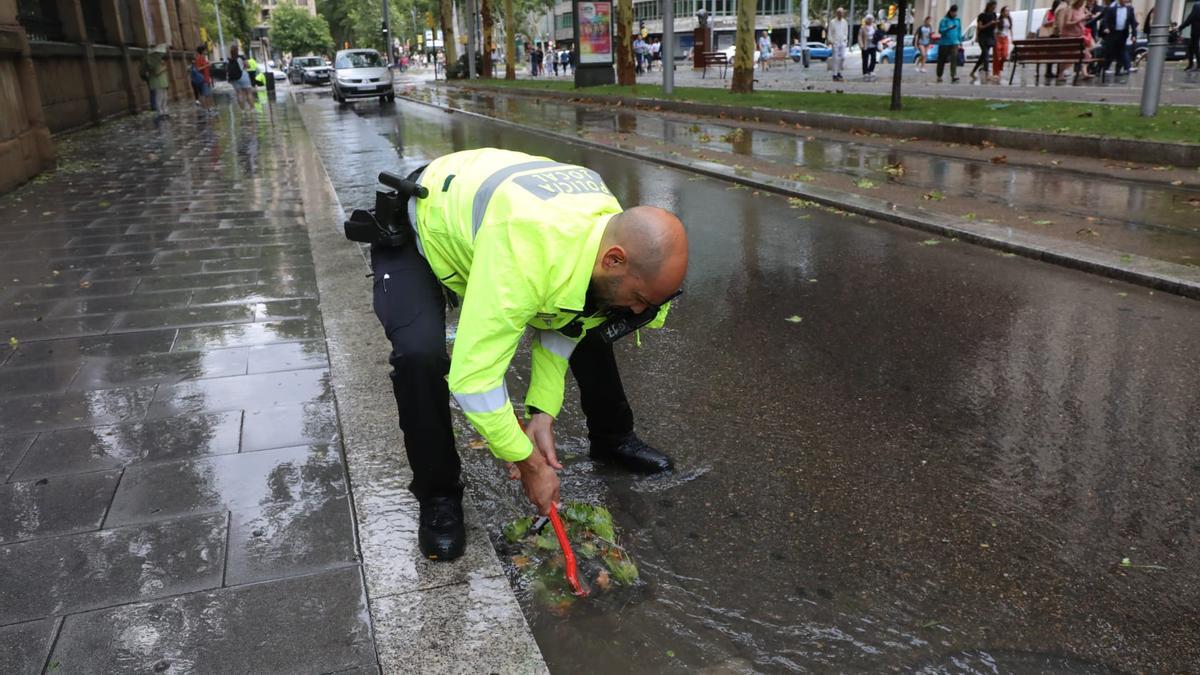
309, 70
819, 51
888, 54
361, 73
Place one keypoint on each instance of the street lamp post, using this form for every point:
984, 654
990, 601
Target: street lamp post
220, 33
667, 48
1159, 39
387, 35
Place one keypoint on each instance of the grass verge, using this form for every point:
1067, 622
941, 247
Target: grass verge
1174, 124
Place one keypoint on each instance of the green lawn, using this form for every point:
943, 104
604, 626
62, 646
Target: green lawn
1173, 124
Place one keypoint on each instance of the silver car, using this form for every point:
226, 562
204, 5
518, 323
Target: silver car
361, 73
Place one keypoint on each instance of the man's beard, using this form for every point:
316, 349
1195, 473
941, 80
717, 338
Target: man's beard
601, 295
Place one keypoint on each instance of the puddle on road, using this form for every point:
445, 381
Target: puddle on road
927, 474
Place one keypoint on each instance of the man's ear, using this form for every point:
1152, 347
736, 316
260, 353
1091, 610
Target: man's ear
614, 257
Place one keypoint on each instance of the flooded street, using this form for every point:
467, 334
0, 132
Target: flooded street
938, 468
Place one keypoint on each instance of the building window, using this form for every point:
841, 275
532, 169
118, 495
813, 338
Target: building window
565, 20
40, 19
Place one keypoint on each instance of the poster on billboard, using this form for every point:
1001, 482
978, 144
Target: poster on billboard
595, 32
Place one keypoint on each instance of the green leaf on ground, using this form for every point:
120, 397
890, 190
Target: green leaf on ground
931, 242
517, 529
934, 196
13, 342
1043, 222
865, 183
795, 318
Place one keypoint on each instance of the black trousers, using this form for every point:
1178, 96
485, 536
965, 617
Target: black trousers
410, 303
985, 58
947, 55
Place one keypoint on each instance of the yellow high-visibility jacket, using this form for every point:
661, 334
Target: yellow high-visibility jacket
516, 237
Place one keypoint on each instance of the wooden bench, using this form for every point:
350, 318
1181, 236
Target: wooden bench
715, 59
779, 56
1047, 50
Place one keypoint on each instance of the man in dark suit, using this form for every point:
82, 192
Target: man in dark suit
1118, 23
1193, 52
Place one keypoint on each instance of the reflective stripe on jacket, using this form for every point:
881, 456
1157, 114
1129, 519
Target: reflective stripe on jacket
525, 231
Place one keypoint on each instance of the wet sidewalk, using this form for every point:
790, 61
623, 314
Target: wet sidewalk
174, 492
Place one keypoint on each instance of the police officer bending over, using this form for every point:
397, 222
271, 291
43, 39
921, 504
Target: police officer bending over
524, 242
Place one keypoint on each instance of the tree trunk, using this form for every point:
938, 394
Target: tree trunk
510, 41
447, 11
626, 72
743, 58
489, 23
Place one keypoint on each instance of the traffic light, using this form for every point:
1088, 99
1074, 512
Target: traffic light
429, 19
891, 12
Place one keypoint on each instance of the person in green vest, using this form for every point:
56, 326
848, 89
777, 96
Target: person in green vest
252, 66
524, 242
154, 73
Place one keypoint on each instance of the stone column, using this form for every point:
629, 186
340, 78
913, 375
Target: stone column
30, 151
112, 23
71, 14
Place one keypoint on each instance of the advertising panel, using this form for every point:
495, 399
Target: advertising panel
595, 28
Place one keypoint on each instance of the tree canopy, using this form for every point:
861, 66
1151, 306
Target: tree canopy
295, 30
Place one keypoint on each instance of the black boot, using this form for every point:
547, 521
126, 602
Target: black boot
442, 535
632, 454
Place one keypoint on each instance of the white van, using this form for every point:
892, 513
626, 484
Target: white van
1022, 29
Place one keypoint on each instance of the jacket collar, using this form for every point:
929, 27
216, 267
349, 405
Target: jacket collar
576, 292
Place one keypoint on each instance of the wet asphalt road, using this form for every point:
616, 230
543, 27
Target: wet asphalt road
938, 468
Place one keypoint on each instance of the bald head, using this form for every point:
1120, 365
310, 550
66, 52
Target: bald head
642, 258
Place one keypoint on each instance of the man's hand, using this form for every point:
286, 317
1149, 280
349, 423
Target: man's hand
539, 481
540, 430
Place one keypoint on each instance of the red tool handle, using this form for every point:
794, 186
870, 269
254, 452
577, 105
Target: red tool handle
572, 569
563, 542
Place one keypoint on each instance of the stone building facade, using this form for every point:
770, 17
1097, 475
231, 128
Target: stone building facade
66, 64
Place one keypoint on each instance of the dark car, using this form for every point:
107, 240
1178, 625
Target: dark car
309, 70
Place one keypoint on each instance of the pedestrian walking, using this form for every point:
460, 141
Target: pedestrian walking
949, 39
764, 52
1004, 31
201, 66
154, 72
1193, 45
1118, 25
924, 39
1069, 23
839, 38
554, 61
867, 45
985, 35
551, 249
238, 74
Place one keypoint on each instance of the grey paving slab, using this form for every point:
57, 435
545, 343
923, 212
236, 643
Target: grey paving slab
179, 317
279, 310
197, 281
290, 539
78, 572
285, 425
73, 409
106, 345
120, 303
473, 627
160, 368
36, 379
263, 291
25, 646
44, 507
119, 445
239, 335
287, 356
62, 327
312, 624
227, 482
244, 391
12, 450
68, 290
